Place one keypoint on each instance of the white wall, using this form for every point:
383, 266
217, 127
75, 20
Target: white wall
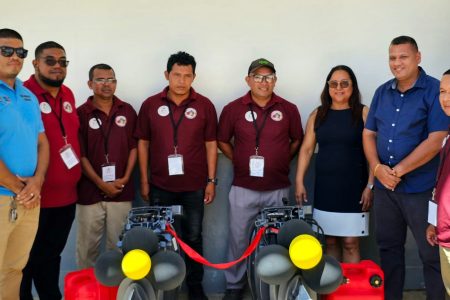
304, 39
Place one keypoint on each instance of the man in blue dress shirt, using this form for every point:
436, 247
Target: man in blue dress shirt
402, 138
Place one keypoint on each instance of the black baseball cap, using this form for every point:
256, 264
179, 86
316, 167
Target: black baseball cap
259, 63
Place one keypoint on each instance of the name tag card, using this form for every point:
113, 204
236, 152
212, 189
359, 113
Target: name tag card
69, 156
109, 172
176, 166
432, 212
256, 166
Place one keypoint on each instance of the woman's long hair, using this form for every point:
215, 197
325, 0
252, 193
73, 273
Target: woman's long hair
325, 98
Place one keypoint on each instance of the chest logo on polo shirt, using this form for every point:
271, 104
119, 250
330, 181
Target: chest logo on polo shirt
26, 97
67, 107
190, 113
163, 110
121, 121
5, 99
94, 124
45, 107
276, 115
248, 116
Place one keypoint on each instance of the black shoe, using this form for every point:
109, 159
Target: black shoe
196, 293
233, 294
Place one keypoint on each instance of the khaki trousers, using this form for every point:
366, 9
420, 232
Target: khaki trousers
444, 254
16, 240
95, 221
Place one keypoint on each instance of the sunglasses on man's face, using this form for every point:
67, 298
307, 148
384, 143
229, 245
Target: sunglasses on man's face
51, 61
7, 51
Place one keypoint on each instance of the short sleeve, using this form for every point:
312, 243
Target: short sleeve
132, 116
226, 125
211, 123
143, 122
295, 124
82, 134
370, 120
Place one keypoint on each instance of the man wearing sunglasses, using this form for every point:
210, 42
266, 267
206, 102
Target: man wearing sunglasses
24, 154
267, 133
57, 105
403, 134
108, 156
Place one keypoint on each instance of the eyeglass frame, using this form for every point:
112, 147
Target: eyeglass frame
21, 56
261, 78
51, 61
341, 83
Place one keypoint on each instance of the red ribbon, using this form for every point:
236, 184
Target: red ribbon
200, 259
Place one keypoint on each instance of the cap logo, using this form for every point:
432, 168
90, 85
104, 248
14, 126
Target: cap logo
263, 62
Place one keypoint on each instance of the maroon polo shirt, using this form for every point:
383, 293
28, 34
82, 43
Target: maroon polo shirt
120, 123
60, 185
282, 126
198, 126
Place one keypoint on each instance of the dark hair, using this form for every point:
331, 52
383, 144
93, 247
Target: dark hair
6, 33
325, 98
100, 67
446, 72
404, 39
181, 58
47, 45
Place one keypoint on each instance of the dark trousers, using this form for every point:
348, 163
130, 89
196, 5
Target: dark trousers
394, 212
190, 228
45, 257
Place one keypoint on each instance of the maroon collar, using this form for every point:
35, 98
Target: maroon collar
38, 90
247, 99
192, 96
117, 103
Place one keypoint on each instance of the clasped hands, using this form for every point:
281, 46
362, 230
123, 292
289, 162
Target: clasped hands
30, 195
389, 177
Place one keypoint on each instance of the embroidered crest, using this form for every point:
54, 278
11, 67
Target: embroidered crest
190, 113
121, 121
276, 115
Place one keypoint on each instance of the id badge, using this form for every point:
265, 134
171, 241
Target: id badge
69, 156
432, 212
109, 172
257, 166
176, 166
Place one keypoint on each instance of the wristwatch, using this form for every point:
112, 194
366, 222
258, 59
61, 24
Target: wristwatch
213, 180
370, 186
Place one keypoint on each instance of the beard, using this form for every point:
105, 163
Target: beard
51, 82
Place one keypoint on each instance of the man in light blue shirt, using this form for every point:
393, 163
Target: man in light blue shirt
24, 155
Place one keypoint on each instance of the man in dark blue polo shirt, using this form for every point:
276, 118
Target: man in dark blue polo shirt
403, 135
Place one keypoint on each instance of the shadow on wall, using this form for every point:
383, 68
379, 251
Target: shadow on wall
215, 233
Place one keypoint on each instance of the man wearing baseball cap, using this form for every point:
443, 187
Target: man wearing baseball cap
267, 133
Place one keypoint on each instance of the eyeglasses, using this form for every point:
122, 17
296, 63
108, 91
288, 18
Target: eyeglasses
260, 78
333, 84
51, 61
104, 80
9, 51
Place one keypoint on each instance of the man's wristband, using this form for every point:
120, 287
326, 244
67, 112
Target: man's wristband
375, 169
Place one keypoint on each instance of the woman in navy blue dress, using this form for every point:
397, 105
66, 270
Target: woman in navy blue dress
342, 191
